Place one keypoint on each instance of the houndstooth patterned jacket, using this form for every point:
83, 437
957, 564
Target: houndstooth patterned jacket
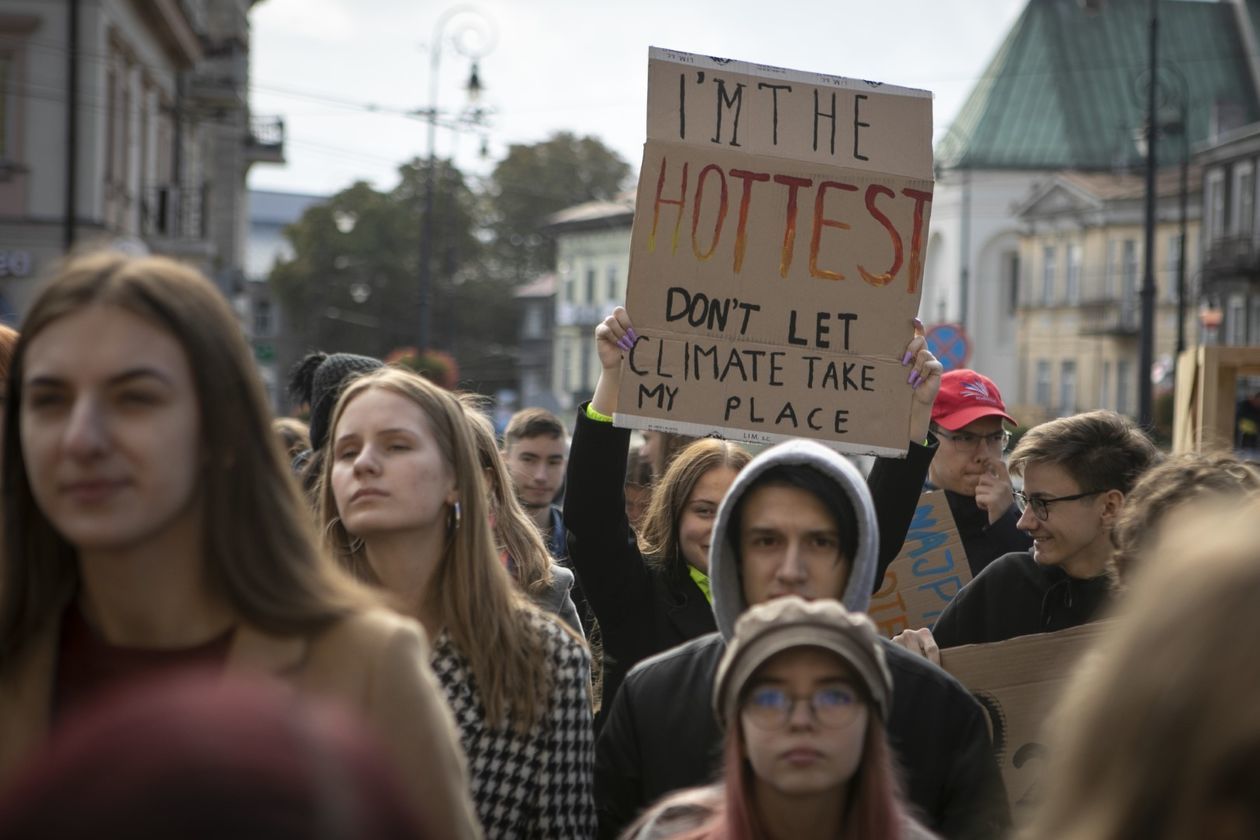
537, 785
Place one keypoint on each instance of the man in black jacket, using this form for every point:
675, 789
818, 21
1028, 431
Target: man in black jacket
1077, 471
967, 419
797, 520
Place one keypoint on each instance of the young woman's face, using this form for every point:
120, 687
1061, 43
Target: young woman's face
796, 748
695, 526
388, 474
111, 430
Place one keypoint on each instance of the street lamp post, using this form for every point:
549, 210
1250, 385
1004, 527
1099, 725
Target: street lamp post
479, 24
1146, 341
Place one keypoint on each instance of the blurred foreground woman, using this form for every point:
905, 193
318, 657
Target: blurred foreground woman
1158, 736
151, 526
205, 758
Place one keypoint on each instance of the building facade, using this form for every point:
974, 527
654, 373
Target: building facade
275, 350
1064, 93
592, 261
538, 323
125, 123
1231, 239
1080, 274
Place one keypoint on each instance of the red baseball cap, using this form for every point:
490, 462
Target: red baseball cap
965, 397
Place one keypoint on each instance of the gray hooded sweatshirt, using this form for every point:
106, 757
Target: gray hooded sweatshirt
724, 574
661, 734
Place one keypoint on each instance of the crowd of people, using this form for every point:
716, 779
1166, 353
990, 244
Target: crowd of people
390, 621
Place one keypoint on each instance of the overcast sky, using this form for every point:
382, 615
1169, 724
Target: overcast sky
571, 65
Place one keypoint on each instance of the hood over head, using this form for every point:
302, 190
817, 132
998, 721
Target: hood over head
724, 572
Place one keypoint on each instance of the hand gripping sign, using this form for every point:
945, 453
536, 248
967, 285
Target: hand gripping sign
777, 254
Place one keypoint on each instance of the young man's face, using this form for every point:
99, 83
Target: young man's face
789, 545
958, 467
1075, 535
537, 468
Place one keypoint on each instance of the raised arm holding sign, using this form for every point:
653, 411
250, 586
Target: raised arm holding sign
778, 247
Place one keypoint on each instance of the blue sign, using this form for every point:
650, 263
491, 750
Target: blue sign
950, 345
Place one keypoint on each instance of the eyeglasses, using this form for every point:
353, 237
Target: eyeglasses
772, 708
966, 440
1041, 505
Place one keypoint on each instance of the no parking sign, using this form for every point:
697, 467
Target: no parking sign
949, 344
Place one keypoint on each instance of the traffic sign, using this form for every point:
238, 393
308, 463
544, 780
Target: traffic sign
949, 344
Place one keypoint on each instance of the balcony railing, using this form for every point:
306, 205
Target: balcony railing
171, 211
1233, 254
265, 141
1108, 316
579, 315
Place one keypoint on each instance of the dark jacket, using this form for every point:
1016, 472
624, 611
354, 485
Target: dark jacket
1017, 596
660, 734
983, 542
641, 608
557, 539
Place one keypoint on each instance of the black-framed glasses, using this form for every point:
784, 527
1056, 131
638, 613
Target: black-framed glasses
1041, 504
832, 708
966, 440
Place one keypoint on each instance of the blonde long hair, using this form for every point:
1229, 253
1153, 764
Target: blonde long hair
261, 555
1158, 735
515, 532
489, 620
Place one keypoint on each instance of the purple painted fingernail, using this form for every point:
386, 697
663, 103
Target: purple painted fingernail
905, 360
624, 343
632, 335
914, 379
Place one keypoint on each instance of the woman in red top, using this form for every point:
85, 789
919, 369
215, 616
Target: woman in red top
151, 525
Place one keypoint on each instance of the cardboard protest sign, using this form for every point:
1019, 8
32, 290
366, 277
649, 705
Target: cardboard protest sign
926, 575
1018, 683
777, 254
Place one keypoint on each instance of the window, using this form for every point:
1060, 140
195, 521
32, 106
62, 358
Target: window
1073, 292
1048, 269
263, 319
1013, 284
1253, 337
1110, 270
1104, 386
1067, 388
612, 284
590, 287
1043, 383
533, 326
1236, 321
1242, 204
1214, 205
1171, 267
1124, 385
1128, 283
585, 381
566, 371
6, 107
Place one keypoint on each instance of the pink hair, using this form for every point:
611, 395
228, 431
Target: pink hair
874, 810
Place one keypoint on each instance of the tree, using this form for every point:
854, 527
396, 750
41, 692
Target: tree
533, 182
352, 284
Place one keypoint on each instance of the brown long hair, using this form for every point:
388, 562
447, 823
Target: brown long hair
1182, 478
1158, 735
658, 535
516, 533
260, 554
489, 620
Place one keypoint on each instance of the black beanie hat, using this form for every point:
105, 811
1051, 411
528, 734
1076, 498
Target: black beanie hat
319, 380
